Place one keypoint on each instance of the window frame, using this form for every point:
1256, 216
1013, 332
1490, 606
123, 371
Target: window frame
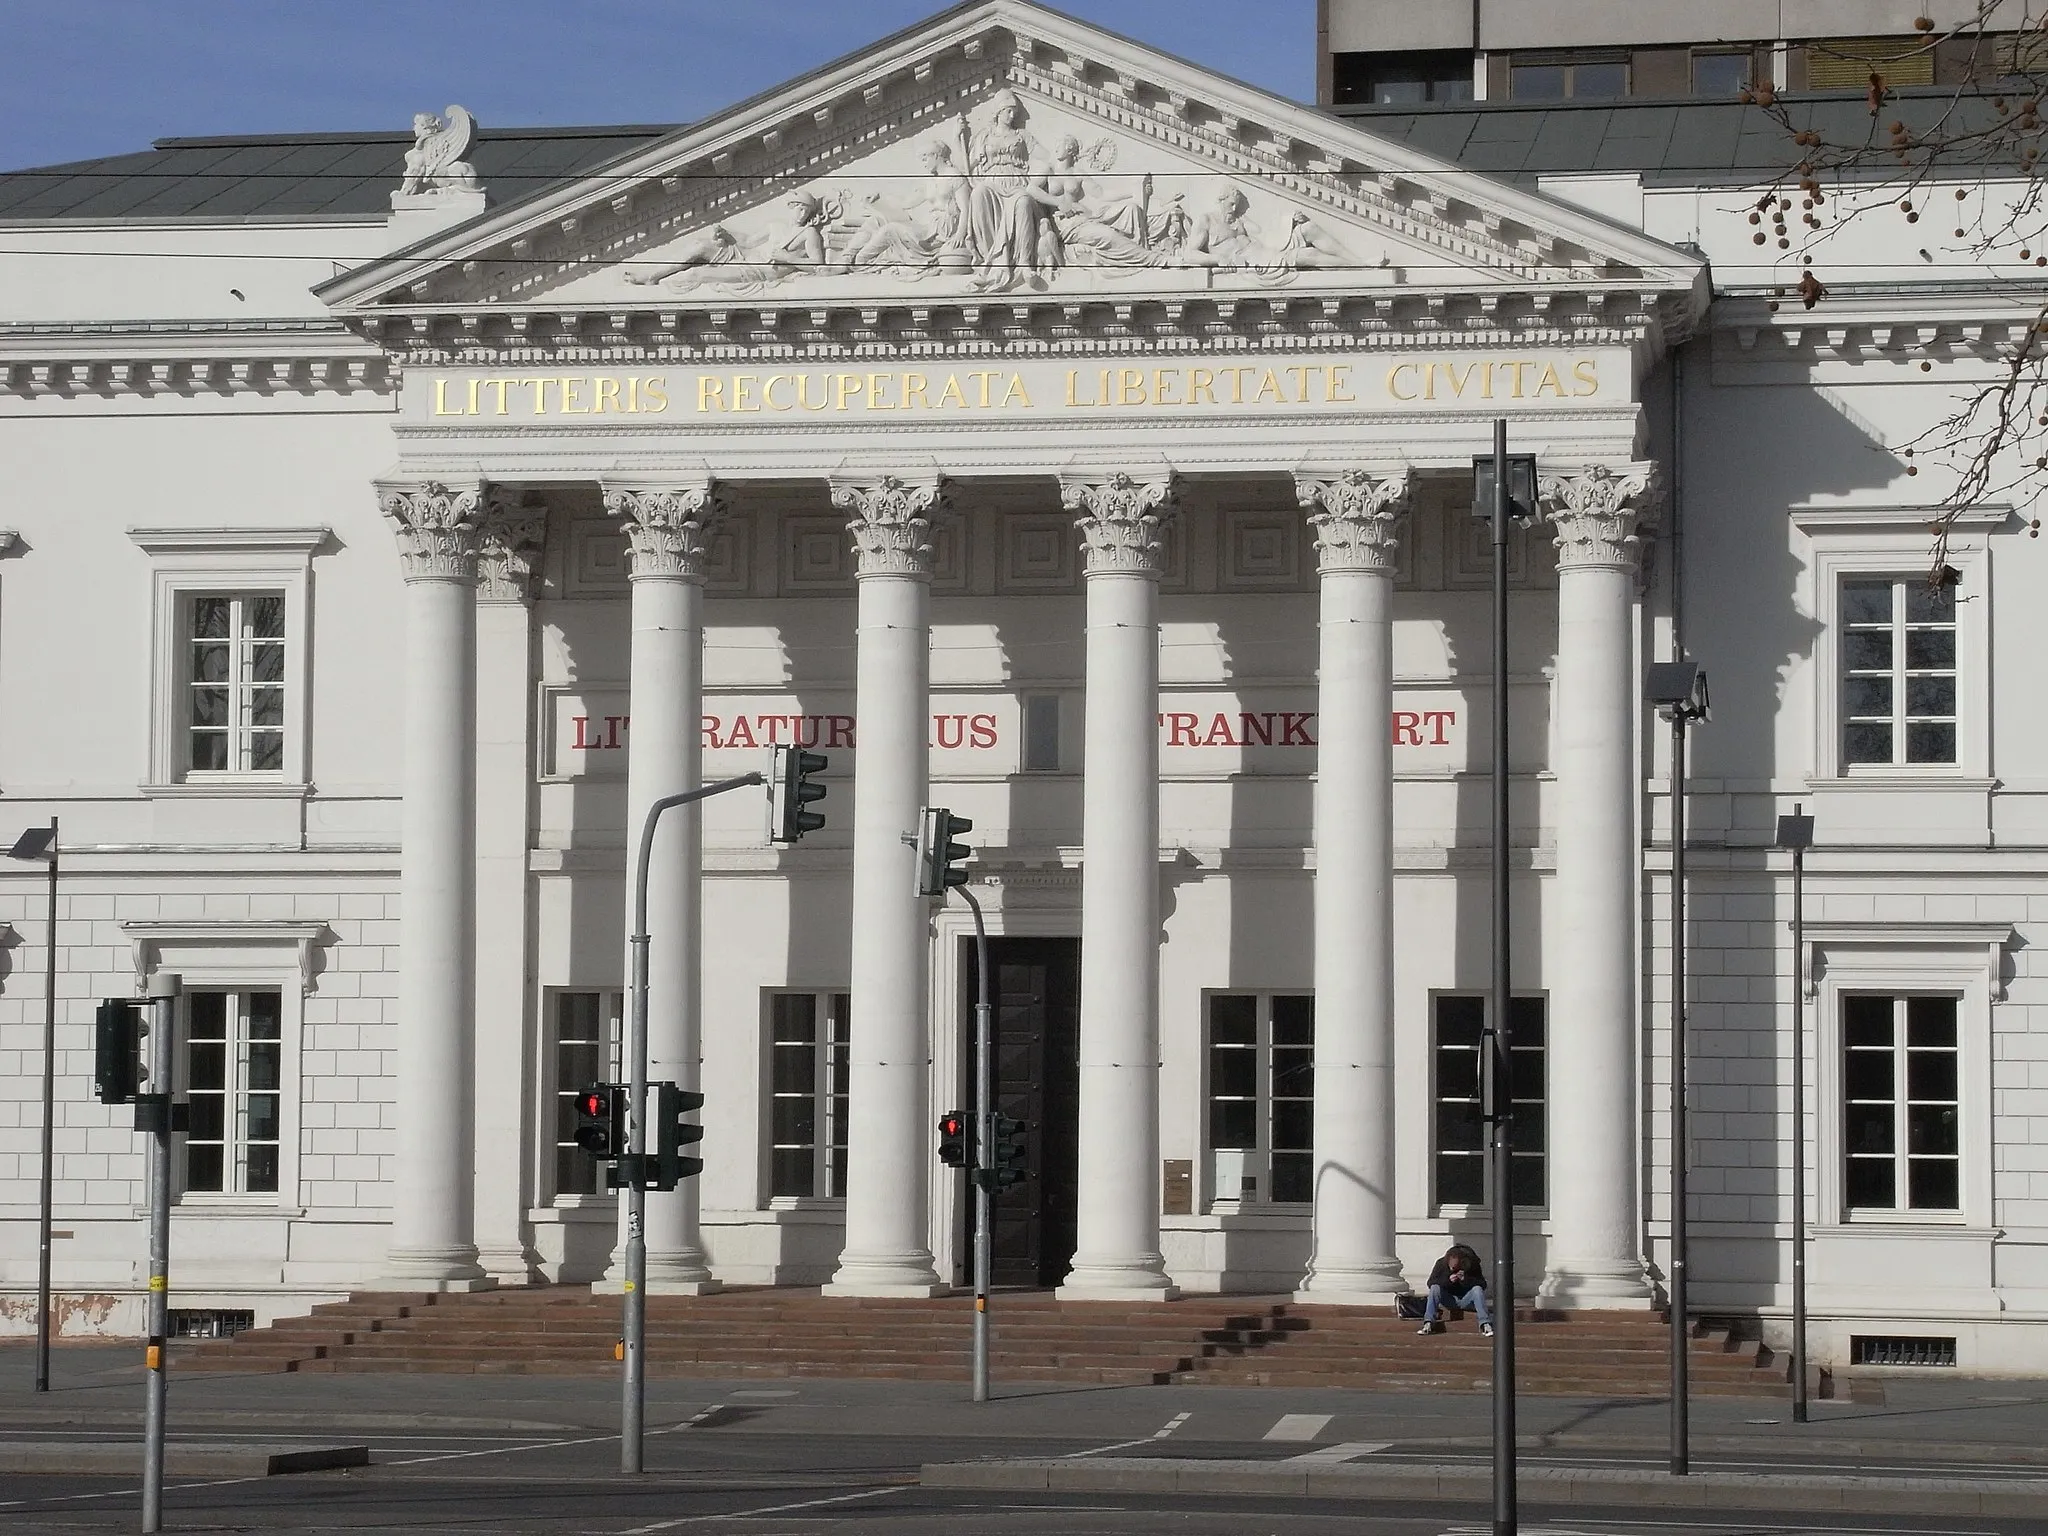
1846, 544
1960, 960
1570, 63
236, 1034
1442, 1208
190, 563
611, 1009
826, 1002
1259, 1158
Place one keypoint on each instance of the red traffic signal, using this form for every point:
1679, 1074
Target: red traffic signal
601, 1120
954, 1139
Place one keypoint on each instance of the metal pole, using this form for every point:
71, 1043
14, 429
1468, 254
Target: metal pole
49, 1129
1680, 1343
1500, 1078
164, 987
633, 1410
985, 1124
1798, 1131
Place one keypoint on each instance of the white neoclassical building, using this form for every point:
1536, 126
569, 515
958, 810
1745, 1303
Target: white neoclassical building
1044, 428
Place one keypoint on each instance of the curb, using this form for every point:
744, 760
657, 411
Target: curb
181, 1459
1434, 1481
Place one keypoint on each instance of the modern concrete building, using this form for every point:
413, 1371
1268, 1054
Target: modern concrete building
1048, 429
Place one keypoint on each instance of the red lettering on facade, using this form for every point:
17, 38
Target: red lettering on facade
984, 729
1219, 734
581, 744
611, 730
841, 731
1294, 730
1182, 731
808, 729
1440, 721
1407, 728
711, 741
950, 731
1259, 726
742, 733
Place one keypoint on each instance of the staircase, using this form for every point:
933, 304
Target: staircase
1227, 1340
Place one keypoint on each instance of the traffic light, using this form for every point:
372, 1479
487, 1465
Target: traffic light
937, 853
601, 1121
1008, 1163
790, 788
117, 1051
672, 1134
956, 1139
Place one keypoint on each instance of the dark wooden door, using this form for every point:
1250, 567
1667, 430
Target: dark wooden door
1037, 1080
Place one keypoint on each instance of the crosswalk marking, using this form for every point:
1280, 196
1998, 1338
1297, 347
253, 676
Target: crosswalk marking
1345, 1451
1298, 1426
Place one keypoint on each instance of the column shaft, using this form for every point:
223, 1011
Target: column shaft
1353, 1259
1595, 1251
1117, 1253
432, 1244
889, 1125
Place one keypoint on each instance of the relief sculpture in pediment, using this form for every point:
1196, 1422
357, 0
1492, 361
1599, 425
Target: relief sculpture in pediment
997, 210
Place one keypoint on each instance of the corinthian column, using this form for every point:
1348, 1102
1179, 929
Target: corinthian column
668, 527
1123, 528
432, 1244
888, 1134
1595, 1251
1354, 515
510, 533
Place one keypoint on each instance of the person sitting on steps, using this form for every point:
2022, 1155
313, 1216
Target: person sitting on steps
1459, 1280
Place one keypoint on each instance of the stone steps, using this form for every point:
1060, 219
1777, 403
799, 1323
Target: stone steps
1238, 1341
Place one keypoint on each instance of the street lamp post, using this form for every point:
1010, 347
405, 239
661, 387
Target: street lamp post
41, 843
1678, 689
1795, 834
1504, 491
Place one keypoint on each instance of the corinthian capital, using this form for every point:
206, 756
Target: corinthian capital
1598, 513
890, 518
668, 526
436, 525
1123, 518
510, 534
1354, 514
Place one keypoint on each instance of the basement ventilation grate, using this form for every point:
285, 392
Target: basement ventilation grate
1881, 1349
209, 1323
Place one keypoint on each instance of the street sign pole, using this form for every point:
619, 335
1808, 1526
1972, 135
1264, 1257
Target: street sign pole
155, 1112
984, 1138
1500, 1059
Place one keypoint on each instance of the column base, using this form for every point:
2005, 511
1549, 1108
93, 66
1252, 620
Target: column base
1592, 1285
905, 1274
1140, 1280
1374, 1284
510, 1266
434, 1269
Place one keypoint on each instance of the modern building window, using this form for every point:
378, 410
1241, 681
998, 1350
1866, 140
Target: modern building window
235, 681
1898, 682
1411, 78
1460, 1158
584, 1050
809, 1072
1041, 733
1721, 74
1901, 1104
1591, 79
234, 1073
1262, 1096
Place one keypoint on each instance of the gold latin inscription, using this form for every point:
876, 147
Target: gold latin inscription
1159, 388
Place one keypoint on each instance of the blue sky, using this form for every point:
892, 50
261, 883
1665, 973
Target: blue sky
80, 78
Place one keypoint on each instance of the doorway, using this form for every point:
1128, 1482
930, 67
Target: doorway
1037, 997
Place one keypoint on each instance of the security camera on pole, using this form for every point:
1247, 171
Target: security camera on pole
966, 1142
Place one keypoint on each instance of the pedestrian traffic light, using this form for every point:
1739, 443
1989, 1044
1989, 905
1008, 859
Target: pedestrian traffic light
672, 1133
601, 1120
791, 787
955, 1139
937, 853
117, 1051
1008, 1161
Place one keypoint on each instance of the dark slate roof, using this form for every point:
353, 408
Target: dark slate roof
304, 175
1666, 141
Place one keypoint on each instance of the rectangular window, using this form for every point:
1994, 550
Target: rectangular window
1595, 79
1262, 1096
585, 1051
809, 1067
1407, 78
1901, 1104
1898, 649
235, 683
234, 1067
1722, 75
1041, 733
1460, 1126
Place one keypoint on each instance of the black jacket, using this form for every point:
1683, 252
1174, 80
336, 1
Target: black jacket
1473, 1274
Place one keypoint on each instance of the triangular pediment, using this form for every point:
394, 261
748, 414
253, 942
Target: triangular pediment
1004, 152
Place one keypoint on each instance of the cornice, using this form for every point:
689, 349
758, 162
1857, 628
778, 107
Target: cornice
153, 357
1896, 324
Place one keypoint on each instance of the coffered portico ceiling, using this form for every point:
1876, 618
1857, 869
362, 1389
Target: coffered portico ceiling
1003, 177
